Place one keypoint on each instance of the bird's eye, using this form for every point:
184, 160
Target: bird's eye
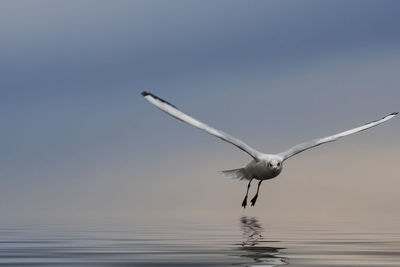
279, 164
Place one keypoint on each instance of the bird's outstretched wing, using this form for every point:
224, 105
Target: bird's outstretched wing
174, 112
316, 142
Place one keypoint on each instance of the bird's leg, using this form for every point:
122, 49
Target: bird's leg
244, 203
254, 199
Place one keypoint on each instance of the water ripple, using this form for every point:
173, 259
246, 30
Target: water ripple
244, 244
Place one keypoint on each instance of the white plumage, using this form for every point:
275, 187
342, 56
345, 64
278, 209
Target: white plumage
263, 166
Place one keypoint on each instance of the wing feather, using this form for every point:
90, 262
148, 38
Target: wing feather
176, 113
319, 141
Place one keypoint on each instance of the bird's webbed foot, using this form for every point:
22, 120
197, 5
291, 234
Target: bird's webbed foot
244, 203
253, 200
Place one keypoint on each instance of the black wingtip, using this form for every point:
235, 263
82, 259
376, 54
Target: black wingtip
394, 113
145, 93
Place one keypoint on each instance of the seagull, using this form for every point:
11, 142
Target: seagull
263, 166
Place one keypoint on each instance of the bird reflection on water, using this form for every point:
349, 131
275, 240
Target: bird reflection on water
253, 245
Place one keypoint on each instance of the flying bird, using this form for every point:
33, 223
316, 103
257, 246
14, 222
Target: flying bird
263, 166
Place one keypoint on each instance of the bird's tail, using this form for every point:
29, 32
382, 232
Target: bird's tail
236, 174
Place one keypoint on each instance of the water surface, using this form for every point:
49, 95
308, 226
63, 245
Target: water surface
247, 242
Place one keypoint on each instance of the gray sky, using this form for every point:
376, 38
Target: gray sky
80, 143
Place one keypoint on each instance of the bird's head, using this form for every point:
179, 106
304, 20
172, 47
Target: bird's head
275, 165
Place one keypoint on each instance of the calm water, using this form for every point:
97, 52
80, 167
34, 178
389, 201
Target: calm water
247, 242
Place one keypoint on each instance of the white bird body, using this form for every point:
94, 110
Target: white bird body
263, 166
257, 169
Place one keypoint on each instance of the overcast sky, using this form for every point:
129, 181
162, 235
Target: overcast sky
78, 142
